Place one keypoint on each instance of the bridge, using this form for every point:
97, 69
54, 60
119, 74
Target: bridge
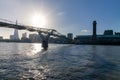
44, 33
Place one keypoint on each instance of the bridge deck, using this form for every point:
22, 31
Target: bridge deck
7, 24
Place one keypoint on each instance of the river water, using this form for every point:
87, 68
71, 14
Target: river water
28, 61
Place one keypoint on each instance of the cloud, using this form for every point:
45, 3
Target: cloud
61, 13
84, 30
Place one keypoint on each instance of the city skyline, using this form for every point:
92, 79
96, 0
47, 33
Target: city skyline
66, 16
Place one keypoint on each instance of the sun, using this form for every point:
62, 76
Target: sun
38, 20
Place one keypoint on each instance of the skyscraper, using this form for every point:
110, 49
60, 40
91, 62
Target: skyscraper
15, 36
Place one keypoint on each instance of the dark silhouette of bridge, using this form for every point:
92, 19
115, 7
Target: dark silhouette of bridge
43, 32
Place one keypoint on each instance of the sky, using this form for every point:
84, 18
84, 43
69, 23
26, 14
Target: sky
66, 16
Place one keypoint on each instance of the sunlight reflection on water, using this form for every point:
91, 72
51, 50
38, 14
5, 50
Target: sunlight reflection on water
35, 72
34, 49
20, 61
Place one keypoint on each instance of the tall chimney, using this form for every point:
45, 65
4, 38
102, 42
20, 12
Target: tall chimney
94, 30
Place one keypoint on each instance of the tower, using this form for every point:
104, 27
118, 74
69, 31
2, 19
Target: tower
94, 30
16, 37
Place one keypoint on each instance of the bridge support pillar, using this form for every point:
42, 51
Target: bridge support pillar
45, 44
45, 38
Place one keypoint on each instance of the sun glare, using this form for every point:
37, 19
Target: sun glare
38, 20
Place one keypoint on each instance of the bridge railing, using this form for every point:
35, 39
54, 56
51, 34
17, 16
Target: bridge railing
7, 21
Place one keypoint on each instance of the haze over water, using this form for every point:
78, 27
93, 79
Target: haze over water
60, 62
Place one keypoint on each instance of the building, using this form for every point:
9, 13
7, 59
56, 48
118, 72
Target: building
94, 30
11, 37
34, 38
82, 39
117, 33
70, 36
15, 36
24, 37
108, 32
87, 38
107, 38
1, 38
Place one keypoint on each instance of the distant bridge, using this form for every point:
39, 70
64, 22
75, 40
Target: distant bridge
41, 31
